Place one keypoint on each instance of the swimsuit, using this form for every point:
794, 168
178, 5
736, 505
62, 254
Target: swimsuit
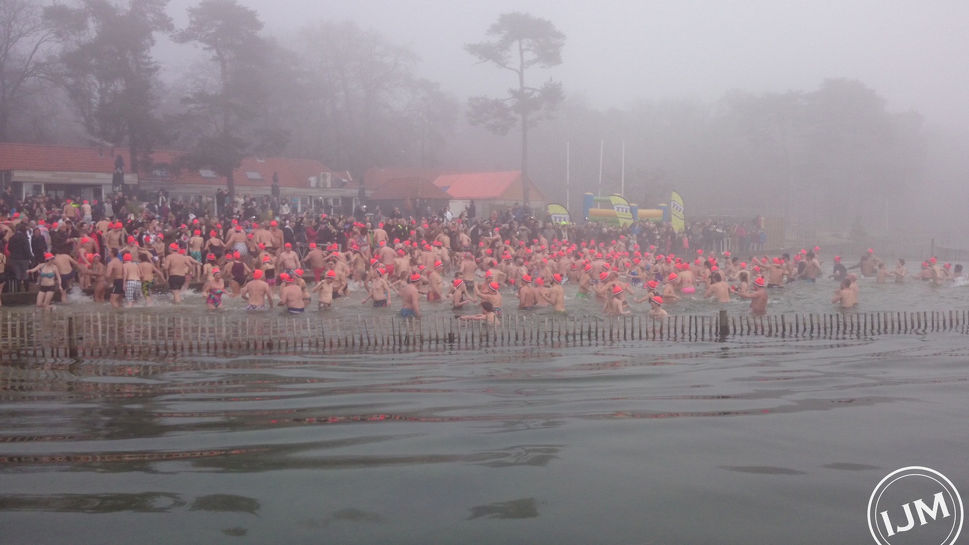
688, 289
239, 272
132, 290
175, 282
380, 303
252, 307
45, 289
214, 297
146, 287
117, 287
407, 313
292, 310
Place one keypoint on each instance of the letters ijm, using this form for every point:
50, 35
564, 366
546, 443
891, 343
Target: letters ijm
921, 509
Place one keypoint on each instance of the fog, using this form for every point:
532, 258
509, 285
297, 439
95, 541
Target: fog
833, 114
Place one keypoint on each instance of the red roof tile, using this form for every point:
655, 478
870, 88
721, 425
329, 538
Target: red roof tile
504, 185
59, 158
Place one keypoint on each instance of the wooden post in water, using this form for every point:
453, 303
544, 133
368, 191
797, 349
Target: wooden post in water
71, 338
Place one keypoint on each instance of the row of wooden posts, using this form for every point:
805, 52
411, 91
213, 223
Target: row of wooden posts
25, 335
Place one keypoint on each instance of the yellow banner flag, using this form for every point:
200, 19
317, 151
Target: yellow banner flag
677, 214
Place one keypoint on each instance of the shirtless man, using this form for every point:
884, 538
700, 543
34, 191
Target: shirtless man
291, 295
257, 293
325, 289
616, 305
315, 261
487, 315
379, 290
115, 276
435, 283
148, 270
718, 289
66, 265
410, 298
177, 266
288, 259
900, 272
237, 241
527, 297
758, 298
656, 310
131, 275
846, 296
554, 294
812, 268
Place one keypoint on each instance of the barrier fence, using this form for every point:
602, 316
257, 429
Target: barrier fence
26, 335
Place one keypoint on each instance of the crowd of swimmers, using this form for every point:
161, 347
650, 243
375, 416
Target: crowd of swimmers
409, 264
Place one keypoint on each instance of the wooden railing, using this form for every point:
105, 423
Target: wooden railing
35, 334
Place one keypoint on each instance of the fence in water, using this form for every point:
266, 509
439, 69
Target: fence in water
26, 335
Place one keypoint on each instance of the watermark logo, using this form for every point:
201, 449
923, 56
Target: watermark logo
915, 505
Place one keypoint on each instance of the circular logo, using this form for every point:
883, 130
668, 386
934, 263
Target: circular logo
915, 505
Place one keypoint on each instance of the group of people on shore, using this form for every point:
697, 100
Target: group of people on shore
418, 262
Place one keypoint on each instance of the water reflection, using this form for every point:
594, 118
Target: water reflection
145, 502
225, 502
524, 508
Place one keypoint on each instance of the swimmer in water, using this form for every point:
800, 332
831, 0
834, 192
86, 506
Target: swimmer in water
846, 296
758, 298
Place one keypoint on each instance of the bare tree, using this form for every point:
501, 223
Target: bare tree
25, 43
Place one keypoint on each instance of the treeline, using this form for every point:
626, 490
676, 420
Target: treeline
86, 72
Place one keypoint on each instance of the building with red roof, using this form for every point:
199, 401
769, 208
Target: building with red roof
87, 173
489, 190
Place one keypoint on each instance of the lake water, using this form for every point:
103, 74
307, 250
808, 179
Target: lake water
753, 440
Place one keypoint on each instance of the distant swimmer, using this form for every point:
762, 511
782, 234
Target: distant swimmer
487, 315
846, 297
758, 298
718, 289
656, 310
257, 293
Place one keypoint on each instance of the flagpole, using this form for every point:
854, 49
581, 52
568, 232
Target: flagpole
568, 175
622, 172
601, 144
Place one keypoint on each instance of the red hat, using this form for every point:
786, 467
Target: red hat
616, 289
526, 278
657, 299
216, 270
871, 251
236, 255
539, 281
285, 277
257, 274
298, 272
173, 246
603, 275
672, 276
288, 245
48, 256
210, 257
312, 245
494, 286
557, 277
130, 239
457, 282
837, 258
760, 282
331, 273
438, 264
126, 257
652, 284
273, 223
197, 232
415, 277
266, 259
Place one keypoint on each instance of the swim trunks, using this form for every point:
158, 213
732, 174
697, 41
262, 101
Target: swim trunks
292, 310
380, 303
117, 287
175, 282
145, 287
254, 308
407, 313
132, 290
46, 289
688, 289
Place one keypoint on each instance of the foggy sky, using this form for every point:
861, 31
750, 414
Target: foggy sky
911, 53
